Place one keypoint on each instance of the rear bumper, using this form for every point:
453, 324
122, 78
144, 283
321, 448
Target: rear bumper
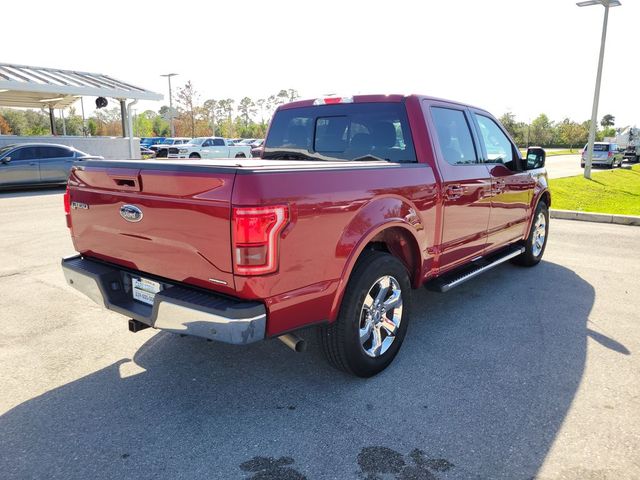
177, 308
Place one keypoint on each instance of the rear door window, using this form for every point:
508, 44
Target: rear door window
498, 146
357, 131
454, 136
54, 152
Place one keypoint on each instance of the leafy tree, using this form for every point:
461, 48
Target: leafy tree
92, 126
542, 130
5, 129
16, 120
260, 103
608, 120
210, 107
572, 133
607, 133
143, 124
161, 127
247, 108
187, 98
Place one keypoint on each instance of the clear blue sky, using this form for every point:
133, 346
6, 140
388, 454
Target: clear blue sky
526, 56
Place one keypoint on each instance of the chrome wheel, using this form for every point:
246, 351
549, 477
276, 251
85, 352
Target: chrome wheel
539, 234
380, 316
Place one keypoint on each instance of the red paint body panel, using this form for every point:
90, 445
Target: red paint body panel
335, 210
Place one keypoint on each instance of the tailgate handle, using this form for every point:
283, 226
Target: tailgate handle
127, 183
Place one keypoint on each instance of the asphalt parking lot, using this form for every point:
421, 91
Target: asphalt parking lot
519, 374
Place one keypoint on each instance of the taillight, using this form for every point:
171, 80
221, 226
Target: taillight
256, 234
67, 206
610, 154
67, 202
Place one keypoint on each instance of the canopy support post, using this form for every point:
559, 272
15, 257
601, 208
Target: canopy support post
124, 115
52, 121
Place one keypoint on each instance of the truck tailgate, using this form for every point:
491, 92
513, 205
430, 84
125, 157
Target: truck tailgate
183, 233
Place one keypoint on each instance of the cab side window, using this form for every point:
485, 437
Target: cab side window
454, 136
24, 153
207, 143
218, 142
499, 148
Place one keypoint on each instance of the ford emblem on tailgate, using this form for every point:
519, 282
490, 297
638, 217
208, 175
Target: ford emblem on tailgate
131, 213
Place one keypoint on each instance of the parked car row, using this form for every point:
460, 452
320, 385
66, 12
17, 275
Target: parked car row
26, 164
200, 147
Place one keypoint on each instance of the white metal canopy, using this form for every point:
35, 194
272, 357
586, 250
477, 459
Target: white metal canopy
35, 87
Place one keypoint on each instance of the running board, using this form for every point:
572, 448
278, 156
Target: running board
459, 276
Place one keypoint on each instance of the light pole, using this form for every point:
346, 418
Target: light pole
173, 130
596, 96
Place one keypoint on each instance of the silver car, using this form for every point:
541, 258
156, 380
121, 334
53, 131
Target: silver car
25, 164
604, 154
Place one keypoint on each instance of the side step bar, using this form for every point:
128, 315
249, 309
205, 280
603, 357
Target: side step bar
458, 277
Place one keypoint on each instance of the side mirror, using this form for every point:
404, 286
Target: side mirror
6, 160
535, 158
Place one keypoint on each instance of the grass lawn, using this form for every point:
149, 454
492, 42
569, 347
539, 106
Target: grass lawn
612, 191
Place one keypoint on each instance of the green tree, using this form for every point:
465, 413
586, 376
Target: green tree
143, 124
92, 126
210, 107
246, 108
161, 127
542, 131
572, 133
608, 120
16, 120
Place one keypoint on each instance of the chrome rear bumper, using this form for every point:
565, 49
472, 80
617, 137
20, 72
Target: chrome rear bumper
177, 308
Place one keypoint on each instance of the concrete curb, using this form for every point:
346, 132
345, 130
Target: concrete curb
595, 217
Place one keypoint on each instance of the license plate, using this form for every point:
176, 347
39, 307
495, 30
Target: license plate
144, 290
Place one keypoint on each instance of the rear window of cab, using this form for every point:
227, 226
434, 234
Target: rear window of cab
346, 132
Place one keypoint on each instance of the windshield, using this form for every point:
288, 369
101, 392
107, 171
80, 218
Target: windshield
197, 141
6, 149
168, 141
353, 131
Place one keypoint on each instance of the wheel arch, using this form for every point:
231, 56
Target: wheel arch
396, 237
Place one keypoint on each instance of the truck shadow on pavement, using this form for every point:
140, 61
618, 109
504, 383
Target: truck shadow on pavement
479, 390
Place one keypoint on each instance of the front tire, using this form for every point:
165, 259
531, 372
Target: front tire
536, 242
194, 155
373, 318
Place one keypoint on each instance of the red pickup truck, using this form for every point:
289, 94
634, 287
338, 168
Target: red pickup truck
356, 201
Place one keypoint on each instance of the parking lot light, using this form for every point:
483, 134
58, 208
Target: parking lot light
169, 75
596, 96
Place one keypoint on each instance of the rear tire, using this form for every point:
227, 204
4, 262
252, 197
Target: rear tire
536, 242
375, 304
194, 155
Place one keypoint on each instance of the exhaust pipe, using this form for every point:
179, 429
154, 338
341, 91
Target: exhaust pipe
294, 342
136, 325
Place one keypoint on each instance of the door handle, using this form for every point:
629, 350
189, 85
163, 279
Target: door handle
454, 192
498, 187
33, 163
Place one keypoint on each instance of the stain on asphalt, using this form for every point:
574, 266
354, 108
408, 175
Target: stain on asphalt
380, 462
269, 468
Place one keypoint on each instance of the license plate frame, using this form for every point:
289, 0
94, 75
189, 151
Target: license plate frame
144, 290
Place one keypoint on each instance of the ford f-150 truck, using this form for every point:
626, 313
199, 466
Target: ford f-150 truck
356, 201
